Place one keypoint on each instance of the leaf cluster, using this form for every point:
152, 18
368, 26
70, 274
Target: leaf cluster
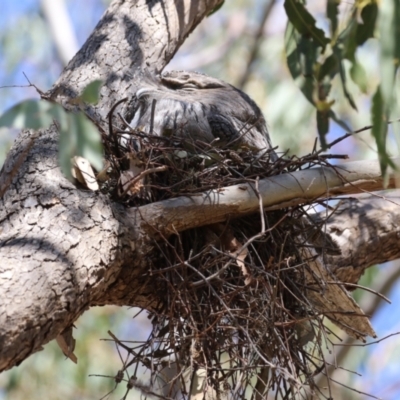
315, 57
78, 135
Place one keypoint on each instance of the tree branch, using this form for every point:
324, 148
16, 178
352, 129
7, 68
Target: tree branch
62, 31
367, 230
133, 35
62, 249
278, 192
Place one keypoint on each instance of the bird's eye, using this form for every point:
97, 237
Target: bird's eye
189, 86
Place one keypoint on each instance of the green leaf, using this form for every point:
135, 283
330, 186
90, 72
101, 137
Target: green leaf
366, 30
304, 22
384, 102
216, 8
353, 36
387, 40
342, 74
332, 11
67, 145
329, 68
89, 141
356, 34
380, 128
79, 137
293, 55
323, 118
302, 61
359, 76
301, 56
322, 126
339, 121
91, 92
33, 114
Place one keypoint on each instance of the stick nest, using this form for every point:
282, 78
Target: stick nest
233, 319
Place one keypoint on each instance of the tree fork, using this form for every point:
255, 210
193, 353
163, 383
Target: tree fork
61, 247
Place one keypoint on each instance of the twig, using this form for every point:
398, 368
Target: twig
139, 177
256, 43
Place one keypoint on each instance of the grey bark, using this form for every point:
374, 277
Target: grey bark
64, 249
132, 35
367, 230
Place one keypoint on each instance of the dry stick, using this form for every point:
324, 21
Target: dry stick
385, 287
234, 257
140, 176
256, 44
234, 319
362, 287
348, 134
354, 389
368, 344
110, 126
153, 110
261, 206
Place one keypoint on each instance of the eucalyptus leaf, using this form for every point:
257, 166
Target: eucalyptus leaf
380, 128
88, 140
322, 126
359, 76
342, 74
29, 114
67, 149
329, 68
91, 92
384, 100
79, 137
387, 40
357, 33
366, 29
304, 22
216, 8
301, 57
332, 11
339, 121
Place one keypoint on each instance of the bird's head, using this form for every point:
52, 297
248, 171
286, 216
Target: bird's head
194, 105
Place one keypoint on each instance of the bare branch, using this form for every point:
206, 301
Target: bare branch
61, 28
278, 192
258, 37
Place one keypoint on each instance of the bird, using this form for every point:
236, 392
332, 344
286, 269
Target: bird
201, 108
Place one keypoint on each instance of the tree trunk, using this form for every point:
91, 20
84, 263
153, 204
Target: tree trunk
63, 249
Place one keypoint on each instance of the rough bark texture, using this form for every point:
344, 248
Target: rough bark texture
367, 231
131, 36
64, 249
61, 248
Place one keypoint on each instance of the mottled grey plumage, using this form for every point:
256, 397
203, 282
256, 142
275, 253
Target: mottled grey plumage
200, 107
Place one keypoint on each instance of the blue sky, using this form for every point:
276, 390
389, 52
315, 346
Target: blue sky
39, 63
